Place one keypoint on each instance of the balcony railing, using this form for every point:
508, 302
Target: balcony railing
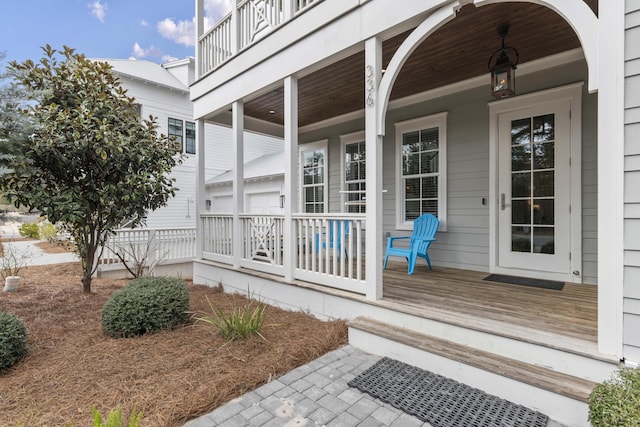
248, 22
329, 248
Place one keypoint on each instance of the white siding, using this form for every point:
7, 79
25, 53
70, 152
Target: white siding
465, 244
163, 103
631, 318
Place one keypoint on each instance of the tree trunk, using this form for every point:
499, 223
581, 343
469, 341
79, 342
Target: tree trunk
86, 281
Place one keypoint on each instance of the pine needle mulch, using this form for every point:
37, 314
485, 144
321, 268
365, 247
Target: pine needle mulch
172, 376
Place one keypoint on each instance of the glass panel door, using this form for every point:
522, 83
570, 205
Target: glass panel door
534, 221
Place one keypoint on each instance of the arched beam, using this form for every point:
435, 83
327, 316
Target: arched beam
576, 12
584, 23
424, 30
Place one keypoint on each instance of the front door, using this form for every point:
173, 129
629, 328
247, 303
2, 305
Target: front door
534, 186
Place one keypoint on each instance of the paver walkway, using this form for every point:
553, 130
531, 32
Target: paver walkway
315, 394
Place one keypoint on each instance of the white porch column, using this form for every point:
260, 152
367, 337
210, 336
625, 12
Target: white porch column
199, 32
373, 145
200, 193
611, 179
237, 176
290, 173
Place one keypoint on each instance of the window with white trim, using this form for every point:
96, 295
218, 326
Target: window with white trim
421, 170
313, 170
353, 172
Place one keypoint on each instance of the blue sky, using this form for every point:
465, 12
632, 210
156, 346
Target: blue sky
155, 30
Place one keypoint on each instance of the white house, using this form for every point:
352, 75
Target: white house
162, 91
263, 187
387, 112
167, 241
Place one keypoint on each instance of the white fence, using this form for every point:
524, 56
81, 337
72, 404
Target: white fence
329, 248
147, 248
250, 21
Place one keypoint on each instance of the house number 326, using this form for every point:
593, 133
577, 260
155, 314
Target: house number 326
370, 85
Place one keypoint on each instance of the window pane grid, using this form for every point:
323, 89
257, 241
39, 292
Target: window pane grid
532, 184
421, 172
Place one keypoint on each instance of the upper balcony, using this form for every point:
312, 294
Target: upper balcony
247, 23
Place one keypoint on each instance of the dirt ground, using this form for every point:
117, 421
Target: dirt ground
172, 377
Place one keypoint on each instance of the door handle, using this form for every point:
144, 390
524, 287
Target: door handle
503, 202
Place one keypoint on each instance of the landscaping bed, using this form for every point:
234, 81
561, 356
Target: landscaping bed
172, 376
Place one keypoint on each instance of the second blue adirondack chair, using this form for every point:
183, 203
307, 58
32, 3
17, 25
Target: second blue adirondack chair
335, 230
424, 232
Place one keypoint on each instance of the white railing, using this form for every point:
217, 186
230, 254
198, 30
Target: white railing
329, 248
258, 18
216, 46
217, 239
147, 248
250, 21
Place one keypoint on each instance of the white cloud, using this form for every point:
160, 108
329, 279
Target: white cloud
168, 58
99, 10
217, 9
144, 23
140, 52
182, 32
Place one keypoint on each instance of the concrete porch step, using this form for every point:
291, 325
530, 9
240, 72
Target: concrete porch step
562, 397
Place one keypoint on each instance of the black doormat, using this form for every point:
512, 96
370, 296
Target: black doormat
440, 401
525, 281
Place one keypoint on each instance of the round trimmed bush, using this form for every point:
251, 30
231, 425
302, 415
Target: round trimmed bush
146, 305
13, 340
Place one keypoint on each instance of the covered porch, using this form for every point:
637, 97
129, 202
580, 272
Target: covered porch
395, 119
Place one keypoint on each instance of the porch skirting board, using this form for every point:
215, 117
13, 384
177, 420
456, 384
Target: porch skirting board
525, 281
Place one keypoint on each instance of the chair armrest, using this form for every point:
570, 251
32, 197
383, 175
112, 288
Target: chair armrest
391, 239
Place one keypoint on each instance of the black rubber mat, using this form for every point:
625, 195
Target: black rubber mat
440, 401
525, 281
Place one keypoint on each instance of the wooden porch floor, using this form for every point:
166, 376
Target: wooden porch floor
463, 297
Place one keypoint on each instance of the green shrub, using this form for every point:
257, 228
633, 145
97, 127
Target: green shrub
616, 402
13, 340
146, 305
115, 418
240, 322
48, 231
31, 230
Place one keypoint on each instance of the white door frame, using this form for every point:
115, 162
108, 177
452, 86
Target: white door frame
572, 93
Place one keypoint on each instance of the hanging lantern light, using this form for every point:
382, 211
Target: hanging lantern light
502, 65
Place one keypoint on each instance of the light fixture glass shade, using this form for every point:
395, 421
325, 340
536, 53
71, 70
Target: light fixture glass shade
502, 66
503, 82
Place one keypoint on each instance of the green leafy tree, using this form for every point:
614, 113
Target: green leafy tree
15, 127
91, 163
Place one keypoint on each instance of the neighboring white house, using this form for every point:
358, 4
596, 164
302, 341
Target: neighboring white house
263, 187
162, 91
386, 114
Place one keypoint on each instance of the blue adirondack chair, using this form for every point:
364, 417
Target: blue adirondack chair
424, 232
335, 229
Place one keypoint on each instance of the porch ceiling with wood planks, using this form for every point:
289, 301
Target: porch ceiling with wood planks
458, 51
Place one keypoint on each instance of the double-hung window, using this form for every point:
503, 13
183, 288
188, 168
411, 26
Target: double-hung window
190, 138
313, 169
184, 135
354, 172
422, 179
